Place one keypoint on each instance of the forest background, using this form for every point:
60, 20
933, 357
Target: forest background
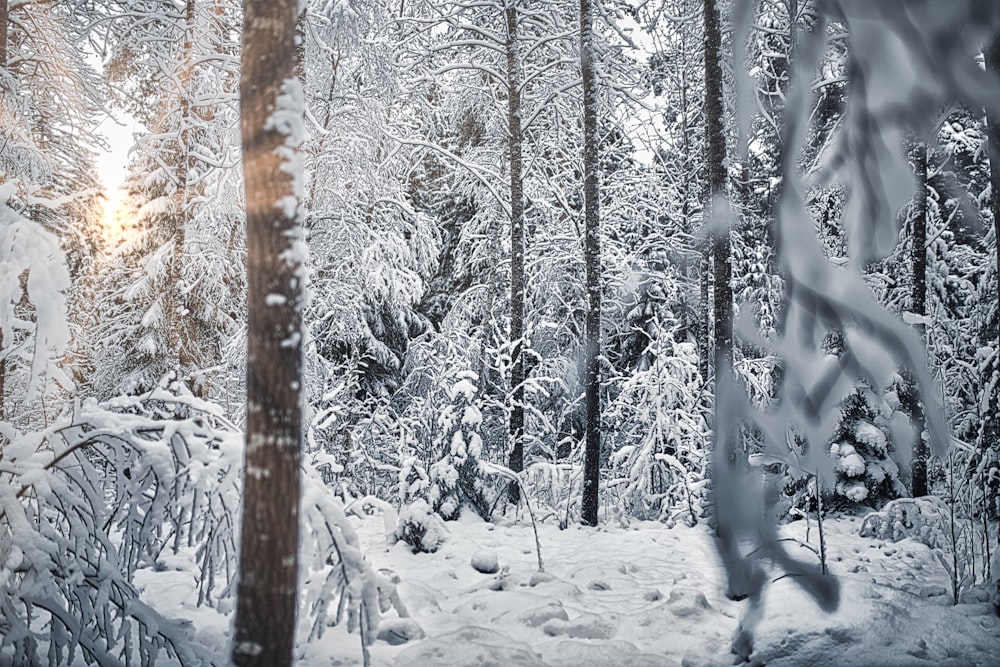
531, 249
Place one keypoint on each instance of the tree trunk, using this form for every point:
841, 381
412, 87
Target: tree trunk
175, 311
271, 115
4, 20
516, 461
992, 57
592, 261
716, 155
918, 305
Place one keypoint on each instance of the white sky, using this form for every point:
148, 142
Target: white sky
111, 166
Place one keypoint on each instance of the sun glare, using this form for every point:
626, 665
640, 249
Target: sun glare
114, 220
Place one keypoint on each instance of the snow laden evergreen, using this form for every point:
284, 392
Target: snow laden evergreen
456, 479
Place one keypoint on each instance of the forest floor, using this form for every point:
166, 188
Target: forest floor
641, 595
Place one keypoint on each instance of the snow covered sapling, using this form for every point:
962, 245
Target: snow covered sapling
862, 449
457, 477
659, 471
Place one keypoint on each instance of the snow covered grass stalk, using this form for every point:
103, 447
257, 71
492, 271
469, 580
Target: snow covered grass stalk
819, 526
951, 524
514, 477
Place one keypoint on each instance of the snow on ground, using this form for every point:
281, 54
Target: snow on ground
636, 596
647, 595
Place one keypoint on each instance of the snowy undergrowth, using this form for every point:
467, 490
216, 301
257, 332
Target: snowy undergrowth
649, 595
118, 540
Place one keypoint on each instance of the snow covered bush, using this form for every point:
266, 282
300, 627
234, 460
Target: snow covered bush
923, 519
420, 527
112, 487
456, 479
99, 495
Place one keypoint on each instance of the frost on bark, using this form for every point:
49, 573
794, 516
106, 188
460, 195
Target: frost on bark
271, 112
516, 427
592, 261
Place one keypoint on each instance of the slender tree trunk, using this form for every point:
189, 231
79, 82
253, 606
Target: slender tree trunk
592, 261
716, 155
918, 305
738, 585
705, 311
175, 311
516, 461
992, 56
4, 20
271, 113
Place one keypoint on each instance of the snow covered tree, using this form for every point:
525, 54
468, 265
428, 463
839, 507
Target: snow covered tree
658, 422
49, 96
904, 61
456, 479
175, 69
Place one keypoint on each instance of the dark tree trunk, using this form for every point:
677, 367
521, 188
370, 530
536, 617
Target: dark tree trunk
716, 156
992, 56
269, 543
516, 461
918, 305
592, 261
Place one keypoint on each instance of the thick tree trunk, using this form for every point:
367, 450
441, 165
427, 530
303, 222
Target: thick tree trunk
592, 261
271, 111
918, 305
516, 460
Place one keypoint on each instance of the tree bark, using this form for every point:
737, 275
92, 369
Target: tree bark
592, 262
4, 21
716, 155
992, 57
517, 376
175, 311
271, 111
918, 306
